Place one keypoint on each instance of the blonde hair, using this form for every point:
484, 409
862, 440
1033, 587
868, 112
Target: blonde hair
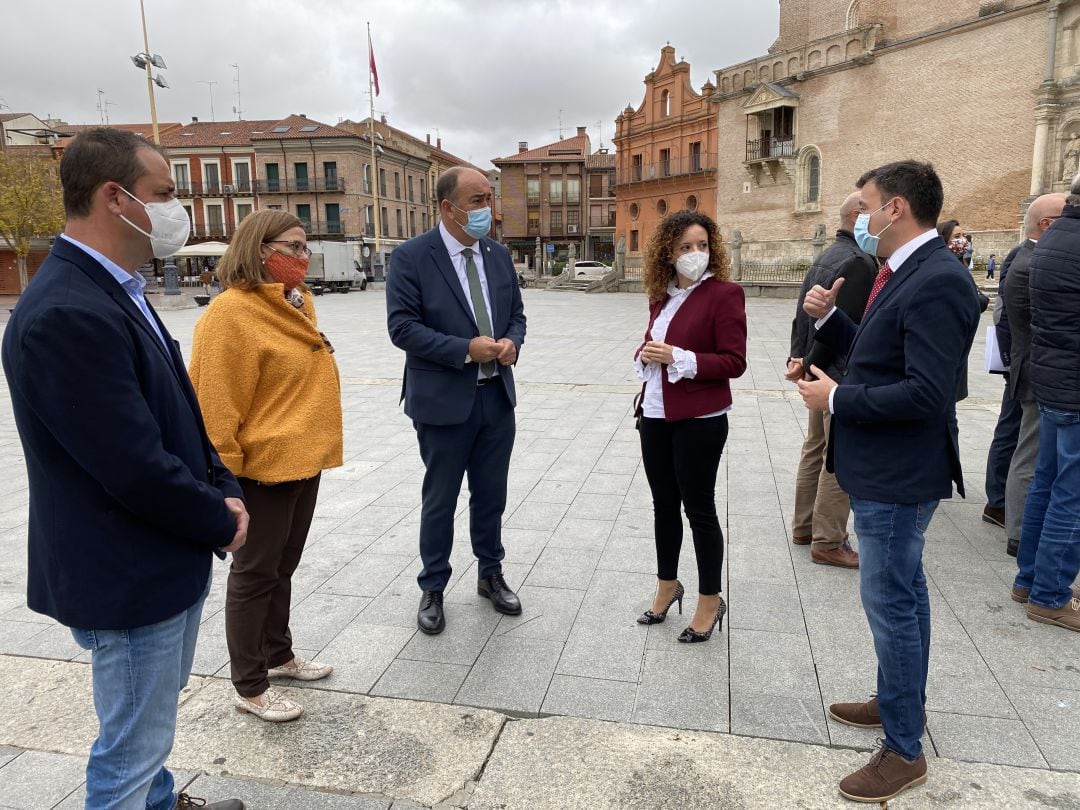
659, 261
242, 264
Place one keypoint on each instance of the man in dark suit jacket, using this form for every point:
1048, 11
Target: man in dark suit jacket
894, 445
454, 306
821, 507
128, 499
1041, 214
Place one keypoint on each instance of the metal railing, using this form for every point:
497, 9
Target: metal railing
602, 221
291, 185
218, 189
774, 271
767, 148
673, 167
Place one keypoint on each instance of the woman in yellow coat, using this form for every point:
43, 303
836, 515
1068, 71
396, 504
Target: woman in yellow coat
270, 395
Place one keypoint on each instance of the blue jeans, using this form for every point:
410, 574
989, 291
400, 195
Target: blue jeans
1049, 555
138, 675
894, 596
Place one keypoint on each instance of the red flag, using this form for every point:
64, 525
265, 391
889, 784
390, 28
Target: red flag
371, 65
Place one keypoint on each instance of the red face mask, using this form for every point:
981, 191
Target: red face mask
287, 270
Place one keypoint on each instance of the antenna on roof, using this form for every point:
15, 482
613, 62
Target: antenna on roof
237, 109
600, 129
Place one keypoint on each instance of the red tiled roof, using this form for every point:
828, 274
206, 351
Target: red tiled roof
297, 126
576, 147
216, 133
598, 160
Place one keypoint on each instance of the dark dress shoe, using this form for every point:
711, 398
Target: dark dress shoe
502, 598
430, 618
184, 802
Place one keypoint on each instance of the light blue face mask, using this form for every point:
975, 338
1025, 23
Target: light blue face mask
868, 242
479, 224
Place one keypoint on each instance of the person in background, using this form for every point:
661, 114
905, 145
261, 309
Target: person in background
270, 395
694, 345
821, 507
991, 265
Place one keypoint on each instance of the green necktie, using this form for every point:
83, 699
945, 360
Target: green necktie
483, 321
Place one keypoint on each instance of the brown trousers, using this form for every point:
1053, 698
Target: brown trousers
821, 507
259, 593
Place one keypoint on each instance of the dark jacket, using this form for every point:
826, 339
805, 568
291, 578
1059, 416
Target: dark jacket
126, 491
711, 323
1001, 313
1055, 314
894, 432
842, 259
429, 318
1018, 311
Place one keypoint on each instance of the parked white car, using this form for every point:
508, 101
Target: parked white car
587, 269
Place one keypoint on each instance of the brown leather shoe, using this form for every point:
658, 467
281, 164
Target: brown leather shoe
1021, 594
994, 515
842, 557
801, 540
1067, 616
884, 777
860, 715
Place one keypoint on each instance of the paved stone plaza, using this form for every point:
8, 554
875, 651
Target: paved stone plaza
1002, 689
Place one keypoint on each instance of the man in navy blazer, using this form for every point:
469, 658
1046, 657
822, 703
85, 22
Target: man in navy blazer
454, 306
128, 500
894, 446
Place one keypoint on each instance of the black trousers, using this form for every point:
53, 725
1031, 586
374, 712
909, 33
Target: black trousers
681, 459
259, 594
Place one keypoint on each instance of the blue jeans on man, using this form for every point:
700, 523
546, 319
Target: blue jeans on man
897, 605
138, 675
1049, 555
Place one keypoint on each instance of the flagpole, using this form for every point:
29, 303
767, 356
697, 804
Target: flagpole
371, 137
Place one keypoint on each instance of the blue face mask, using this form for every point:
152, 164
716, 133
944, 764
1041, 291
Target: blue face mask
479, 224
868, 242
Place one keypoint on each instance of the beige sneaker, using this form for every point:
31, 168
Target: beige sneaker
301, 670
271, 706
1067, 616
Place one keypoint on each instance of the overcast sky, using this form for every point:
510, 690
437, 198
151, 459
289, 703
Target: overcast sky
484, 74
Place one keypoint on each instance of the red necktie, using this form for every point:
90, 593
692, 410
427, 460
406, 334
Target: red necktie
879, 284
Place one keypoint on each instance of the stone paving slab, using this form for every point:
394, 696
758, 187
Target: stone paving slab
578, 534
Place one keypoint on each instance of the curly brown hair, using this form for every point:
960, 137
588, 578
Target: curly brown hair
659, 263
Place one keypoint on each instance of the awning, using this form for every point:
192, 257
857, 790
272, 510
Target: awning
202, 249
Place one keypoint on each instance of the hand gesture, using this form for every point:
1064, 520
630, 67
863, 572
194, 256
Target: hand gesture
508, 352
657, 352
819, 302
815, 393
240, 515
794, 371
482, 349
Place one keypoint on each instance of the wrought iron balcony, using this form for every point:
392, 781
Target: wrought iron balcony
673, 167
769, 149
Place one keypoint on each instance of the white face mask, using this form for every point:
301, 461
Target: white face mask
169, 225
693, 265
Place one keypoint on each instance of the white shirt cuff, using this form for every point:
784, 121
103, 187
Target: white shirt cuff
821, 321
831, 392
684, 366
639, 368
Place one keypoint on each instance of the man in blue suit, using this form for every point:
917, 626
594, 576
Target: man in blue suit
894, 447
453, 305
128, 500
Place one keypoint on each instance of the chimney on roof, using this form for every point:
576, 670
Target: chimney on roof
382, 119
194, 119
523, 146
581, 130
438, 143
302, 115
429, 139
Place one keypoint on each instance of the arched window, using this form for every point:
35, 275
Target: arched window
852, 20
665, 103
808, 181
661, 207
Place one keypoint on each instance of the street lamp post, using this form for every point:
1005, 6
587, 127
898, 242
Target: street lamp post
146, 60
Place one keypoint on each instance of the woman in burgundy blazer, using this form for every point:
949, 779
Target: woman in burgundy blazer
695, 344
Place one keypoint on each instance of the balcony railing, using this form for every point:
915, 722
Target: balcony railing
333, 227
675, 167
217, 189
369, 229
290, 185
555, 230
215, 230
533, 229
532, 199
602, 221
769, 149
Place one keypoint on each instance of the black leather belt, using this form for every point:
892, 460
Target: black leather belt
487, 380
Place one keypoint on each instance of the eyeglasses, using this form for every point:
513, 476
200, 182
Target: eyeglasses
298, 249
